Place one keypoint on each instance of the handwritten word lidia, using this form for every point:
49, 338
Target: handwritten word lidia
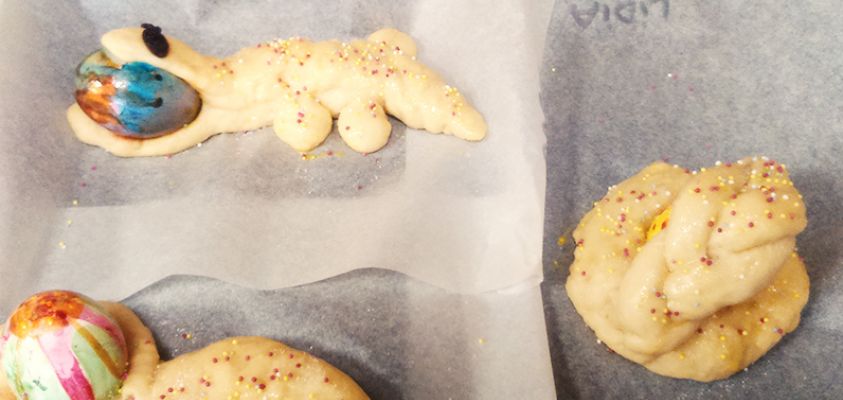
623, 11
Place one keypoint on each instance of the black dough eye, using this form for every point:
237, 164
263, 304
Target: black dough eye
157, 77
155, 40
158, 102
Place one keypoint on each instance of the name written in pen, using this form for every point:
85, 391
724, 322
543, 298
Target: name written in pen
624, 11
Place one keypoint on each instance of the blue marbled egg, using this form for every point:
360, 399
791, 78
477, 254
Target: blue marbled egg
135, 100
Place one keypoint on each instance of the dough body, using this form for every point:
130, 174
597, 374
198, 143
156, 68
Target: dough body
235, 368
298, 86
713, 283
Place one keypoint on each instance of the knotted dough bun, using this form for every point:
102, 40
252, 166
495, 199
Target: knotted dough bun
693, 274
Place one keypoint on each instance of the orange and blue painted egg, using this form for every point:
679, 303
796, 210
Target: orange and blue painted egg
60, 345
136, 99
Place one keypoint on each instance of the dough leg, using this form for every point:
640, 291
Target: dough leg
302, 123
143, 355
363, 126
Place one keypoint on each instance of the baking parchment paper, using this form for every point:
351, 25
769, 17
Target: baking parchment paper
695, 83
247, 209
464, 217
397, 337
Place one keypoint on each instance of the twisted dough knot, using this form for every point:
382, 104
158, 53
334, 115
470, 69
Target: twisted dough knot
693, 275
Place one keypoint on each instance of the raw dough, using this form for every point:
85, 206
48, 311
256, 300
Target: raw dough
693, 274
297, 86
235, 368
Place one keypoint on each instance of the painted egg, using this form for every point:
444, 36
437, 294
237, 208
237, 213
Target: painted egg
61, 345
135, 100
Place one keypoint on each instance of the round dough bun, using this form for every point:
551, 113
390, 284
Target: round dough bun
693, 274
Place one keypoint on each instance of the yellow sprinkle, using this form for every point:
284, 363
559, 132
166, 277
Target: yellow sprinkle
62, 245
722, 356
69, 222
681, 356
234, 342
75, 202
481, 341
722, 338
561, 241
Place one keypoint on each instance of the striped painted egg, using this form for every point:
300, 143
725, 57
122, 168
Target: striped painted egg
60, 345
136, 99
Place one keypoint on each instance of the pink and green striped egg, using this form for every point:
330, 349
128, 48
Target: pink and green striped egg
61, 345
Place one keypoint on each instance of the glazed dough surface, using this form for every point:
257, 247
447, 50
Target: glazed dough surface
693, 275
297, 86
235, 368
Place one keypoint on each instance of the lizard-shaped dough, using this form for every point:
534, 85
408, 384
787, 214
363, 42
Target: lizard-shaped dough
297, 86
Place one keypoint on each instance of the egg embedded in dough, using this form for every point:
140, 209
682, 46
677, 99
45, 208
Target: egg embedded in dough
61, 345
145, 97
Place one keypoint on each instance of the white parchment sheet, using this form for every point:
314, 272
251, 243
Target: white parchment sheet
462, 220
247, 209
